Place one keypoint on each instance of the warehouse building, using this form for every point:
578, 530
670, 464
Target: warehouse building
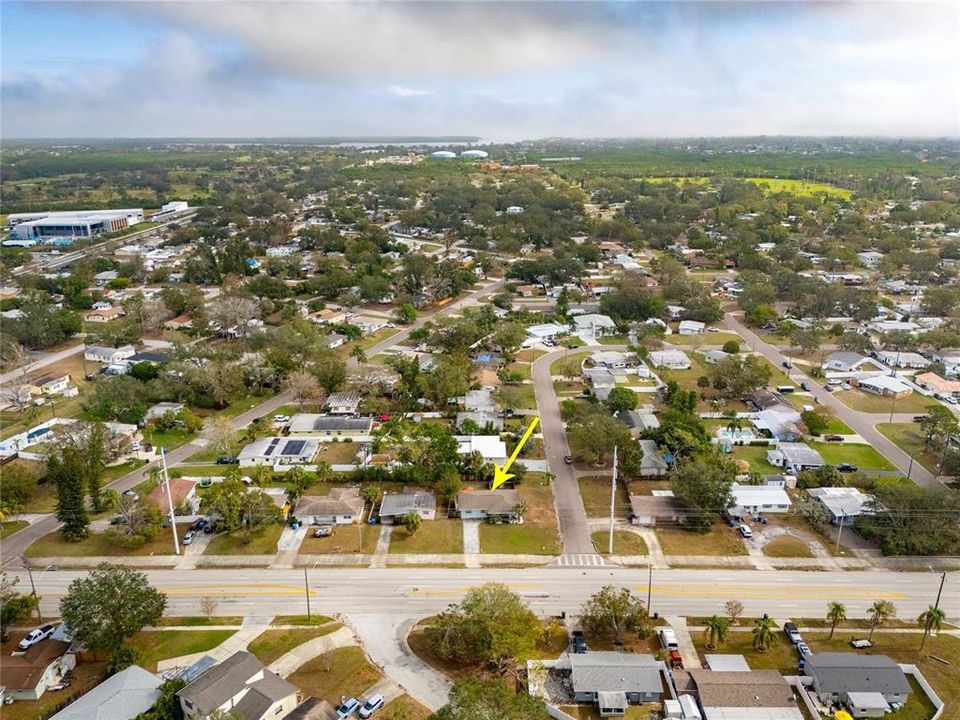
73, 223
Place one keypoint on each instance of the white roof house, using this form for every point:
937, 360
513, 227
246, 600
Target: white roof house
108, 355
279, 451
842, 361
672, 359
120, 697
343, 403
886, 385
491, 447
843, 503
885, 326
894, 358
690, 327
794, 457
594, 324
546, 331
758, 498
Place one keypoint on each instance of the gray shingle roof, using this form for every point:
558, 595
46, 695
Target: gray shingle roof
494, 502
120, 697
851, 672
615, 671
751, 688
394, 504
221, 682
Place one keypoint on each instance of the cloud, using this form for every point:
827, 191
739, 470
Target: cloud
403, 91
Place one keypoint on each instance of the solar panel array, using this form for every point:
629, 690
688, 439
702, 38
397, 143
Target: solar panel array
271, 447
294, 447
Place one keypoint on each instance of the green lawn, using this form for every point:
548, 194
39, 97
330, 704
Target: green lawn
624, 542
908, 438
404, 708
11, 526
801, 187
863, 456
595, 492
344, 671
238, 407
272, 644
100, 544
717, 338
864, 402
168, 439
577, 358
200, 620
118, 471
156, 645
349, 539
538, 535
836, 426
314, 619
787, 546
262, 541
756, 455
721, 540
780, 656
339, 453
522, 369
434, 536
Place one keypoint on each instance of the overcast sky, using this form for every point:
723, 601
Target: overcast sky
502, 71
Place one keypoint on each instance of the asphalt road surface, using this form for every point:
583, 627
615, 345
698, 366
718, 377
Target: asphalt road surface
574, 528
548, 590
861, 423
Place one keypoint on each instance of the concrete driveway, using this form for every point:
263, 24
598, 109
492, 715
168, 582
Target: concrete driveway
471, 536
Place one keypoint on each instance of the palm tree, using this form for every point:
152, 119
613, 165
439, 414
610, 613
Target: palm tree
372, 495
716, 630
764, 630
880, 611
358, 353
836, 614
931, 619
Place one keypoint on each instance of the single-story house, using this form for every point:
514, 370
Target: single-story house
936, 384
639, 421
545, 332
481, 504
240, 684
886, 326
106, 315
781, 422
343, 403
594, 324
838, 674
794, 457
614, 679
652, 464
395, 505
479, 400
279, 451
180, 322
120, 697
671, 359
745, 695
182, 491
843, 504
691, 327
601, 380
749, 499
613, 360
333, 341
491, 447
102, 278
368, 324
328, 316
712, 357
49, 384
842, 361
341, 506
656, 510
482, 418
153, 357
950, 358
314, 424
26, 676
898, 359
766, 399
884, 385
159, 410
108, 355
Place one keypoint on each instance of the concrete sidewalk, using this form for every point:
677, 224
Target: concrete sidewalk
250, 629
288, 663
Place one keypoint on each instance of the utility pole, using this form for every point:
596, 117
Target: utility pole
306, 590
36, 600
649, 584
843, 514
936, 606
613, 498
166, 482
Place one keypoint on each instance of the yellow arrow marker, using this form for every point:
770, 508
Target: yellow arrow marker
500, 476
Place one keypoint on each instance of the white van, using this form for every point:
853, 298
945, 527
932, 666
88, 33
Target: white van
746, 532
373, 703
669, 639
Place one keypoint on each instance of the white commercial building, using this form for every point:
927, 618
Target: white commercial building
73, 223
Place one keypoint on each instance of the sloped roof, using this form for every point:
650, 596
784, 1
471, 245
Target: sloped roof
751, 688
493, 502
22, 672
221, 682
406, 502
120, 697
840, 672
340, 501
609, 671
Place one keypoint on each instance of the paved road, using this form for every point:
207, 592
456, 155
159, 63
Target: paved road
418, 592
15, 545
574, 528
861, 423
47, 359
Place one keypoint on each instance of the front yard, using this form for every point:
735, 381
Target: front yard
434, 536
721, 540
101, 544
273, 644
156, 645
787, 546
862, 455
538, 535
346, 539
344, 671
624, 542
907, 437
595, 492
864, 402
262, 541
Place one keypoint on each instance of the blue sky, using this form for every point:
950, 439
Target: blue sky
503, 71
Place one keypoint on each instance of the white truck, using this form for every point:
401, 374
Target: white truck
668, 639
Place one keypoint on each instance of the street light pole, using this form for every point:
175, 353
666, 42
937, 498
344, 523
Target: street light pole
649, 584
33, 591
613, 497
306, 590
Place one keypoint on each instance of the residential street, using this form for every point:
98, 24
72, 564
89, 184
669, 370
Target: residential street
409, 592
46, 359
861, 423
574, 528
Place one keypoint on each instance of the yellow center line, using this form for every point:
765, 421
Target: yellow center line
771, 592
238, 590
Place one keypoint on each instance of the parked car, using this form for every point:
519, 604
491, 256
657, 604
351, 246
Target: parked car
209, 529
281, 418
787, 364
227, 460
198, 524
833, 438
132, 494
846, 468
745, 531
861, 644
676, 660
919, 418
792, 632
829, 388
578, 643
568, 459
323, 531
804, 386
372, 704
35, 636
348, 708
803, 649
845, 386
188, 538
